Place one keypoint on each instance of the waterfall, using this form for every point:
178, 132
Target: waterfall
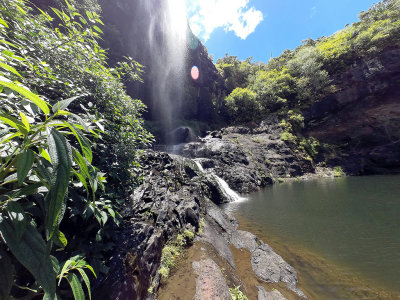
224, 186
165, 61
198, 164
229, 193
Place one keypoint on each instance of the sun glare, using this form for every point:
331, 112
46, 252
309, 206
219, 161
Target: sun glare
178, 17
195, 73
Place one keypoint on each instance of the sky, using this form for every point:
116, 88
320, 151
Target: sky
261, 28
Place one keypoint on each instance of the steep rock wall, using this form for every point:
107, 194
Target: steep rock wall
135, 28
363, 115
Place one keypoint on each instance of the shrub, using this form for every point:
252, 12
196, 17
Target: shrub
242, 105
237, 294
62, 111
338, 171
273, 88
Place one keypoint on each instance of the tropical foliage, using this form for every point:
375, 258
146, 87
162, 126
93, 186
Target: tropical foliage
299, 77
63, 112
294, 80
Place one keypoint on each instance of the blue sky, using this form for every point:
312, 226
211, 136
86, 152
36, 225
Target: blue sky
258, 28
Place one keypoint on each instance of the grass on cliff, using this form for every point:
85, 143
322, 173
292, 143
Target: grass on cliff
172, 251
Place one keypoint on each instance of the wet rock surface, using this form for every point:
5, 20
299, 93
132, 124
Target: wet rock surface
248, 158
273, 295
267, 265
170, 200
210, 283
176, 195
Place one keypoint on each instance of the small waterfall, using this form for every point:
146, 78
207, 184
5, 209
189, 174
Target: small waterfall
228, 192
198, 164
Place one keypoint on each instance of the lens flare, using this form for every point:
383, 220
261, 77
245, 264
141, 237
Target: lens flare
195, 73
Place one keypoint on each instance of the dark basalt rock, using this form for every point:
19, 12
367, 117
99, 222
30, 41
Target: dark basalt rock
174, 196
171, 199
362, 116
248, 159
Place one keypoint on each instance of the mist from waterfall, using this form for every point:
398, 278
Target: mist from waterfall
167, 38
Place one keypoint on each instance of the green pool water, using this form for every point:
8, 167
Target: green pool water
352, 222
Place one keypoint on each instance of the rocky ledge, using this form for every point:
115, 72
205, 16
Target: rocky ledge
177, 196
248, 158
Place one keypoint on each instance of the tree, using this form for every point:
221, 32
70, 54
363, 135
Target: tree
242, 105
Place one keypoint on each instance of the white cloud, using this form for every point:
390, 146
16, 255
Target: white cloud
233, 15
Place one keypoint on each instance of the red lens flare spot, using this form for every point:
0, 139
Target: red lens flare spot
195, 73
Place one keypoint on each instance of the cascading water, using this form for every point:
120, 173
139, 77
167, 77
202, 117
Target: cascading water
198, 164
167, 38
224, 186
229, 193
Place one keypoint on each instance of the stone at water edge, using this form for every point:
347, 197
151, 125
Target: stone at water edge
273, 295
210, 283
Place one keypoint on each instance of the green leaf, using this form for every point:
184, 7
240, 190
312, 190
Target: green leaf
89, 15
44, 171
44, 154
17, 217
63, 113
104, 216
78, 158
111, 212
9, 68
24, 164
25, 120
83, 141
25, 191
31, 251
8, 43
63, 104
60, 154
81, 179
76, 286
97, 29
70, 7
10, 137
26, 93
86, 280
59, 239
64, 269
48, 17
13, 122
6, 275
91, 269
3, 22
58, 13
8, 53
81, 122
20, 8
56, 264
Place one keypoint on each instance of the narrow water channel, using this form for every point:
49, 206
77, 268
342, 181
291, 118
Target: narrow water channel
343, 235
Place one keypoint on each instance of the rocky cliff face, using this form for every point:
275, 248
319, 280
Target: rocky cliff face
363, 115
248, 158
142, 29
